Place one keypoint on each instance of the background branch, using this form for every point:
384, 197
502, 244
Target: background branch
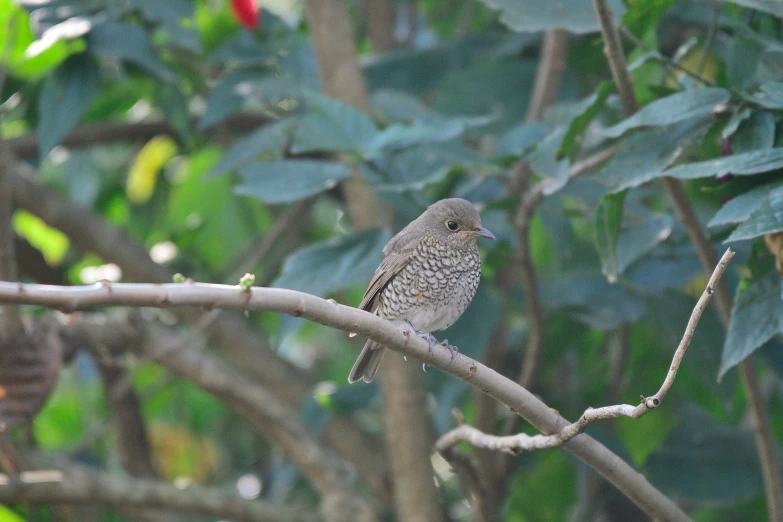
77, 485
348, 319
230, 332
765, 441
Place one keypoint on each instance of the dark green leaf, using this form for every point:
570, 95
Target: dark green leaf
754, 162
734, 122
127, 42
331, 125
740, 208
635, 241
269, 139
395, 105
678, 107
520, 138
229, 94
770, 95
170, 11
755, 318
544, 162
755, 133
579, 124
644, 156
289, 180
743, 61
335, 264
399, 136
64, 98
773, 7
766, 219
175, 107
705, 461
608, 220
576, 16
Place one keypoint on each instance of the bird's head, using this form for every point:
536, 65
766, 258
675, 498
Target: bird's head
455, 220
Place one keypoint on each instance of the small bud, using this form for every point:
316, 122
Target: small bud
246, 282
179, 278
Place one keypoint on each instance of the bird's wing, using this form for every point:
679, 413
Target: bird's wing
390, 266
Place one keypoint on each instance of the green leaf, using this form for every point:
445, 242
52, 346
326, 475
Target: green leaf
734, 122
576, 16
284, 181
520, 138
579, 124
755, 318
766, 219
544, 162
332, 125
644, 156
229, 94
64, 98
417, 167
608, 219
705, 461
400, 136
755, 133
738, 209
754, 162
55, 45
269, 139
773, 7
672, 109
635, 241
127, 42
335, 264
743, 61
770, 95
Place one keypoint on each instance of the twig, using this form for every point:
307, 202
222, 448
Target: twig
93, 134
613, 50
549, 75
515, 444
765, 441
348, 319
78, 485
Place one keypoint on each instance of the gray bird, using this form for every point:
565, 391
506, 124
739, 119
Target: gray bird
428, 276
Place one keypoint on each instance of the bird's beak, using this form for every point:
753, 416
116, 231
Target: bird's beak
483, 232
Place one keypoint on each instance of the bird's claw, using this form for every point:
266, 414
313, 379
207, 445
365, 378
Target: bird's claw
452, 349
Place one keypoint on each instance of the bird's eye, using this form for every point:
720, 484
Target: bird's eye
452, 225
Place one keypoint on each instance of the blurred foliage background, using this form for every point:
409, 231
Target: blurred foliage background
201, 131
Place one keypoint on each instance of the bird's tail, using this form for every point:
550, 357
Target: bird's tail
367, 363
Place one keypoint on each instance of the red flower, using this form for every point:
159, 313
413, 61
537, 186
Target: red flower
246, 11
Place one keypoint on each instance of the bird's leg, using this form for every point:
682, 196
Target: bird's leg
431, 341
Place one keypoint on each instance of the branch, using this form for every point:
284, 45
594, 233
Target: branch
106, 132
10, 321
78, 485
348, 319
613, 50
515, 444
765, 440
230, 332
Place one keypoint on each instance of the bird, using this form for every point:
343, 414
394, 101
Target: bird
427, 278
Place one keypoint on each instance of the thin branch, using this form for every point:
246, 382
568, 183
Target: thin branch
514, 444
549, 75
613, 50
710, 36
349, 319
81, 486
102, 133
765, 440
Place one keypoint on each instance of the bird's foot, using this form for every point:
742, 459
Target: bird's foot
452, 349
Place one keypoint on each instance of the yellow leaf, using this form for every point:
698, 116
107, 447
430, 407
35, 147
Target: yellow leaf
52, 243
144, 172
691, 62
